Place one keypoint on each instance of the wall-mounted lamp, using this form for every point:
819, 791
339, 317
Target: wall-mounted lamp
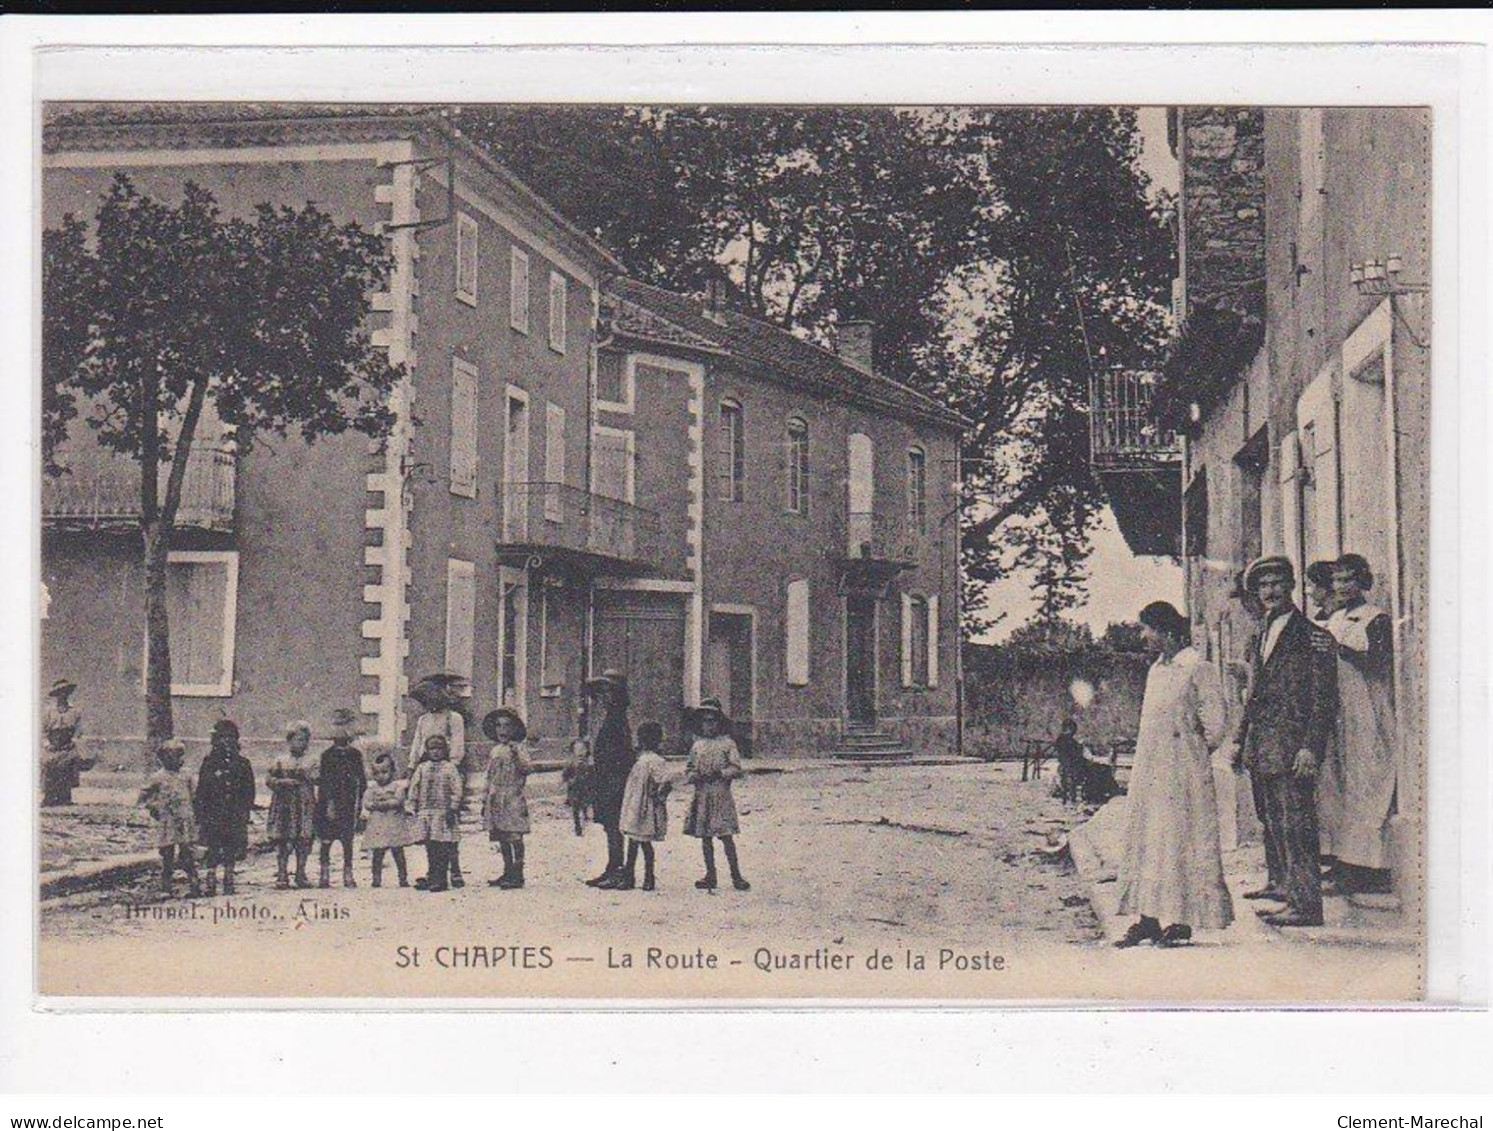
1382, 277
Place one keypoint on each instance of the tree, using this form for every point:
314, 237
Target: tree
1005, 255
169, 309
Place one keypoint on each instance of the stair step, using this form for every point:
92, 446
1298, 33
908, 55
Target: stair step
874, 754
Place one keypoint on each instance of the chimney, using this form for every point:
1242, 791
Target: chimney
717, 295
854, 342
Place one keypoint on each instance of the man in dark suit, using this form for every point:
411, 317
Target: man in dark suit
1288, 719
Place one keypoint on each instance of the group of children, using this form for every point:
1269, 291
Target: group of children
330, 800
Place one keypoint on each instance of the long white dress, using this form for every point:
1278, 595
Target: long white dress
1366, 745
1172, 866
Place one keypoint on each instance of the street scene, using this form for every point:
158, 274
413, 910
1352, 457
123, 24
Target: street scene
632, 552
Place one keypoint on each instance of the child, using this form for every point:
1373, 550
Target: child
443, 699
292, 782
577, 777
389, 829
645, 816
714, 762
339, 796
505, 811
1070, 762
434, 801
168, 796
225, 797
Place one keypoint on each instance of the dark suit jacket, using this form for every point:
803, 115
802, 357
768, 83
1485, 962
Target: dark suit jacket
1292, 701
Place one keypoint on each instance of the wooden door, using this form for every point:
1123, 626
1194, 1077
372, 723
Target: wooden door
860, 660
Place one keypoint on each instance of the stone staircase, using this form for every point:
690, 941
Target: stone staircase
868, 744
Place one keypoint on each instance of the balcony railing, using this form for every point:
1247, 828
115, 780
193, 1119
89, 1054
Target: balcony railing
1123, 433
557, 516
110, 497
880, 538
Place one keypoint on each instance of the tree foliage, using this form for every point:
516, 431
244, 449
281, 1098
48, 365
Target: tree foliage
1005, 255
164, 311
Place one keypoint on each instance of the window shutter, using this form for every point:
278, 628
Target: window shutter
463, 429
1290, 498
557, 311
906, 640
518, 290
466, 258
201, 597
933, 640
726, 453
461, 610
554, 463
797, 664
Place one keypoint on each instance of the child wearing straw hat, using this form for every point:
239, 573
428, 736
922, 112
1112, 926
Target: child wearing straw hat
505, 810
714, 763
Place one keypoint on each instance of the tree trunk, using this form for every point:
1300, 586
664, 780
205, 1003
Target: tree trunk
158, 524
158, 721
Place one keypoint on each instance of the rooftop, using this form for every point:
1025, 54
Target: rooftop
655, 314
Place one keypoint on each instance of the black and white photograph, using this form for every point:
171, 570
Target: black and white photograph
673, 550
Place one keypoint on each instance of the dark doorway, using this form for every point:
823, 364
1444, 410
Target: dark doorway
860, 660
728, 671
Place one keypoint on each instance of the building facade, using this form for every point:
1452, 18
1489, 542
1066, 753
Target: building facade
562, 492
1301, 379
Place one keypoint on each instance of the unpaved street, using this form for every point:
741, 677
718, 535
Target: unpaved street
858, 874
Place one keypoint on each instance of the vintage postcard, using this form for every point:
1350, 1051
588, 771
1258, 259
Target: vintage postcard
735, 552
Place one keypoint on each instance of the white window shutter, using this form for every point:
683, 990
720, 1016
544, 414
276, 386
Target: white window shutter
554, 463
906, 640
933, 640
461, 614
1290, 498
798, 632
1325, 469
518, 290
466, 259
463, 429
557, 311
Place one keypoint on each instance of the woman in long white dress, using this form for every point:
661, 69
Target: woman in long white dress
1172, 868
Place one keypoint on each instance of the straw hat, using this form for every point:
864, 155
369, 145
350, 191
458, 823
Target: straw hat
490, 723
710, 705
61, 687
1270, 565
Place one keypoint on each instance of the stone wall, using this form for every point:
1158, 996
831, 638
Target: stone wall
1223, 208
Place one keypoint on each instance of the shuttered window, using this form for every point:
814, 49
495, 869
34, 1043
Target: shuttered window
933, 641
798, 467
557, 311
906, 640
919, 641
797, 632
518, 290
201, 609
731, 451
461, 616
917, 490
554, 463
466, 259
463, 429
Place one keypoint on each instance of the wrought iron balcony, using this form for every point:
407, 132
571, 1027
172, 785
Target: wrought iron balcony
880, 540
583, 528
1123, 433
108, 497
1137, 460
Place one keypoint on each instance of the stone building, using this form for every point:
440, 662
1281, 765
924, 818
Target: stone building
551, 501
1300, 378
